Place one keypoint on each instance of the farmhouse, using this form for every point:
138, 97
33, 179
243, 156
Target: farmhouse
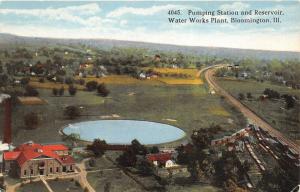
162, 159
32, 160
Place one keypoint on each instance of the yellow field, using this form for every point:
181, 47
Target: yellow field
219, 111
175, 81
192, 79
190, 72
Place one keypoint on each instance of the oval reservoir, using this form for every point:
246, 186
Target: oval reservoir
124, 131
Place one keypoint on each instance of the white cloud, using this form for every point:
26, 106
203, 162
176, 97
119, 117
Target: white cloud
236, 6
142, 11
71, 13
123, 22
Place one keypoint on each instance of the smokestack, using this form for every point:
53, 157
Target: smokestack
6, 101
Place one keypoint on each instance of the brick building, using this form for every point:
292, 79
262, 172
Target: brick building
32, 160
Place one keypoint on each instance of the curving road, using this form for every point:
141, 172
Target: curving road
209, 76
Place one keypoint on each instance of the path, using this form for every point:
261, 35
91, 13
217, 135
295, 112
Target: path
46, 184
82, 176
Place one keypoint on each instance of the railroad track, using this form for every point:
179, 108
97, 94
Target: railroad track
209, 76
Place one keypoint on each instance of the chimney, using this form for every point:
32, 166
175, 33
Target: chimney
6, 101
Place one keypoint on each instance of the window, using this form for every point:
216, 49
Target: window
57, 169
24, 172
50, 169
71, 167
31, 171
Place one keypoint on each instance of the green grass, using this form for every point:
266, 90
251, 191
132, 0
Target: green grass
59, 186
191, 106
34, 186
287, 121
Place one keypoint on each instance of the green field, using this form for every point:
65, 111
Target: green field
287, 121
187, 107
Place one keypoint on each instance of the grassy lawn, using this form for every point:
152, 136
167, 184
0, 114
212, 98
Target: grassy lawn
65, 185
57, 186
116, 180
282, 119
34, 186
190, 106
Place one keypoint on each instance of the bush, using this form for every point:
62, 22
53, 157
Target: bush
98, 147
69, 80
91, 85
71, 112
54, 91
30, 91
72, 90
241, 96
24, 81
102, 90
31, 120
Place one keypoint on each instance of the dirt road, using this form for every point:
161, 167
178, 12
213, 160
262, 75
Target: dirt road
209, 76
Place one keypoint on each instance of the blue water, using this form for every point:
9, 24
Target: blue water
124, 131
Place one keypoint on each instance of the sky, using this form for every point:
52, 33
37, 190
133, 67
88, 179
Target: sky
147, 21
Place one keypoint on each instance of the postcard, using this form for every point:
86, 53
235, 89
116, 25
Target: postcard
159, 96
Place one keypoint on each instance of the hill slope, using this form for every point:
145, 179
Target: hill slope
7, 40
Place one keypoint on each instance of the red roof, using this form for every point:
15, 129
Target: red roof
160, 157
11, 155
30, 151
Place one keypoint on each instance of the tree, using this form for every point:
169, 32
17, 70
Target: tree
24, 81
154, 149
61, 91
72, 90
102, 90
72, 112
249, 95
54, 91
91, 85
289, 100
138, 148
144, 167
30, 91
241, 96
31, 120
127, 159
98, 147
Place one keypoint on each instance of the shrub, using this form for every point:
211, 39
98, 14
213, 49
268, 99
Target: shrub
69, 80
72, 90
98, 147
54, 91
72, 112
102, 90
91, 85
30, 91
24, 81
241, 96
